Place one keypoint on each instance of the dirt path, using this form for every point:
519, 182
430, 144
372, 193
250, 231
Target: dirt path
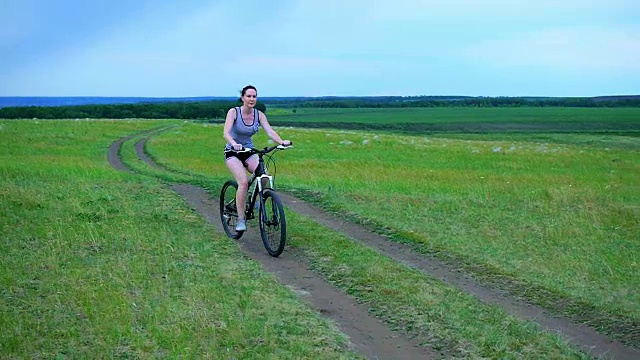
370, 337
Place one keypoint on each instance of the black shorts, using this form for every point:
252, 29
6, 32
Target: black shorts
243, 156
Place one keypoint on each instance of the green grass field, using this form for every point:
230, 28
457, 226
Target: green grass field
560, 212
466, 119
102, 262
458, 114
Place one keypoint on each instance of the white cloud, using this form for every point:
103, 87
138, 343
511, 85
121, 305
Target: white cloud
295, 64
452, 9
582, 48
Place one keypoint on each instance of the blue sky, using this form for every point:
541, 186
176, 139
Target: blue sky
188, 48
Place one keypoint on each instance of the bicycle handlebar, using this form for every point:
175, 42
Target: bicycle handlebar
266, 150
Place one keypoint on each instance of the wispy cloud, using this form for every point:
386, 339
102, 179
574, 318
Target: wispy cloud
577, 48
296, 64
491, 10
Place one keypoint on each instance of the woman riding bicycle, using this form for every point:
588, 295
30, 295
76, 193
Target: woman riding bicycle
241, 124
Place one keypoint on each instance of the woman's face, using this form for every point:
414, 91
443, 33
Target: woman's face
250, 97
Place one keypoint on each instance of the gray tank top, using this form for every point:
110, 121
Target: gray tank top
241, 132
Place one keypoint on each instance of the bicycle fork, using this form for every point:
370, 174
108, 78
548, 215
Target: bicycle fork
259, 187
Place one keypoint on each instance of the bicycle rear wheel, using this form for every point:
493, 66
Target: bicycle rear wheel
228, 209
273, 226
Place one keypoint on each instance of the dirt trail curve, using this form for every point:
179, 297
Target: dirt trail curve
369, 336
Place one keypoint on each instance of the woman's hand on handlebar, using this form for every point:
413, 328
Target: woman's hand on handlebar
286, 143
237, 147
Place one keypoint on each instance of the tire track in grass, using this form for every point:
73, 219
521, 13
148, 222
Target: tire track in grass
367, 334
113, 154
584, 337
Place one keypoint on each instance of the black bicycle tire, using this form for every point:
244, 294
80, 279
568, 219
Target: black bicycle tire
273, 251
229, 228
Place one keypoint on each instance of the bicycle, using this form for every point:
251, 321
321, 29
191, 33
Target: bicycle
273, 225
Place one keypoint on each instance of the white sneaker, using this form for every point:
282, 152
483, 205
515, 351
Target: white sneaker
241, 225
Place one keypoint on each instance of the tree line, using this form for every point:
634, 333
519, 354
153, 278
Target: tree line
401, 102
199, 110
208, 110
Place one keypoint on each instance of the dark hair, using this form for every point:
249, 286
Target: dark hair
248, 87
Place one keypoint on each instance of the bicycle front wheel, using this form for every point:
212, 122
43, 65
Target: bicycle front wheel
273, 226
228, 209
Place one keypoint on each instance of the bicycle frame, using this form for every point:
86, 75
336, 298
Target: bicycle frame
259, 174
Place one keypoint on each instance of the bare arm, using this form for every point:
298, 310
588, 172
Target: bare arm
228, 124
272, 133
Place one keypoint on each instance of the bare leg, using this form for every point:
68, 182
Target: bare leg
252, 165
240, 174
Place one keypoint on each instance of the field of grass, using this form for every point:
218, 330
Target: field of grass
437, 314
97, 263
103, 262
465, 119
560, 216
457, 114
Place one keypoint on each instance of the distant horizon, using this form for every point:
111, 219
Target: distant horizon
305, 96
57, 101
